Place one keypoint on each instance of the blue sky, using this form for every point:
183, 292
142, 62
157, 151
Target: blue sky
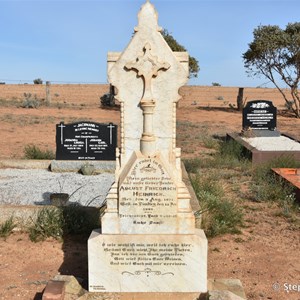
68, 41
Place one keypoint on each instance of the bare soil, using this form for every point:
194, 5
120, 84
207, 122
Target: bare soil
264, 254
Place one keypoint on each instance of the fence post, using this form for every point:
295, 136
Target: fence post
239, 100
48, 93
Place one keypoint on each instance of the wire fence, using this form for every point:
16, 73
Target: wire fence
31, 81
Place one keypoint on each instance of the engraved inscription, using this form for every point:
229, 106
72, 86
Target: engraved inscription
86, 141
259, 114
148, 196
98, 288
149, 258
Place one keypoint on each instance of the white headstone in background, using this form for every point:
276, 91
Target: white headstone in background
148, 241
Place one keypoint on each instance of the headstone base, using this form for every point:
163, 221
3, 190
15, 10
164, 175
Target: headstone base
148, 263
229, 289
103, 166
263, 133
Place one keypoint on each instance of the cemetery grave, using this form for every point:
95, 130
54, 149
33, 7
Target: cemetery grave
229, 255
257, 256
260, 135
86, 146
292, 176
148, 242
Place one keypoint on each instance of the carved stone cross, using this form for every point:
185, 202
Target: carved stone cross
147, 66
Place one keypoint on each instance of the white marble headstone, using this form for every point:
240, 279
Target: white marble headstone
148, 241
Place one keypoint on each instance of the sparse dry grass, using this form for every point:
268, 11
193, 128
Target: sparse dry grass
27, 120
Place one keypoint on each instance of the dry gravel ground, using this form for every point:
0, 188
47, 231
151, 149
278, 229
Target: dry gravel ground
264, 254
33, 187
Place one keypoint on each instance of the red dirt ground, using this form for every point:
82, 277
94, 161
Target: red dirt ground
266, 253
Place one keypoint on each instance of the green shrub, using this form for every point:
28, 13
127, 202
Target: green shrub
227, 156
209, 142
77, 221
263, 171
49, 223
192, 165
207, 185
38, 81
232, 149
34, 152
56, 222
30, 101
226, 217
271, 189
267, 186
9, 102
231, 154
219, 215
7, 227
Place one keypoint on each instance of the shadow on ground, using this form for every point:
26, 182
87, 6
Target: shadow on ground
76, 258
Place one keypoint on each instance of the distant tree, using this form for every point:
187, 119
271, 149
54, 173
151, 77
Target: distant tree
175, 46
215, 84
38, 81
108, 99
275, 53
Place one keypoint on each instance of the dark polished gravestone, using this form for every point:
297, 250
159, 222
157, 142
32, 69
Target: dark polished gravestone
260, 137
260, 116
86, 141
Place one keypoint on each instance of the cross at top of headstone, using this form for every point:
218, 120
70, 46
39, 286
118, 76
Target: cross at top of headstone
147, 66
147, 77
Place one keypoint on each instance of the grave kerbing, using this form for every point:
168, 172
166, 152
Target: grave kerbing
259, 136
148, 241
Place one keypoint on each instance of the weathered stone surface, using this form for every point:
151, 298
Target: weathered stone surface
73, 289
223, 295
142, 296
54, 290
25, 163
147, 199
134, 296
228, 285
60, 166
219, 289
148, 263
148, 241
148, 72
194, 200
147, 76
160, 296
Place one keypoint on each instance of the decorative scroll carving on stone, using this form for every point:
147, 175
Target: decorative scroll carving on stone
148, 272
147, 66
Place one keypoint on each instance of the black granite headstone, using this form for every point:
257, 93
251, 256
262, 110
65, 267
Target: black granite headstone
86, 141
261, 117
